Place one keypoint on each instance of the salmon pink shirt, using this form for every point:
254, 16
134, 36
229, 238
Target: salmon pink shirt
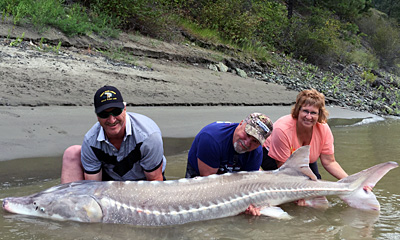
283, 140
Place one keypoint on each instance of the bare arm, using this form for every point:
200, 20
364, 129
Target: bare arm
333, 167
155, 175
204, 169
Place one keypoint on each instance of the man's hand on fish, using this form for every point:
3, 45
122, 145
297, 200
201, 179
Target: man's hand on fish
368, 188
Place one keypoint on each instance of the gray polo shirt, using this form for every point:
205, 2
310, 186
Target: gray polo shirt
141, 150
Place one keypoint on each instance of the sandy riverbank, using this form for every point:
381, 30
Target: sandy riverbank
47, 131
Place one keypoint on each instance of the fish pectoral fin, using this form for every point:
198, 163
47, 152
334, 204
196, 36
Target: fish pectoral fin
298, 164
275, 212
93, 211
317, 202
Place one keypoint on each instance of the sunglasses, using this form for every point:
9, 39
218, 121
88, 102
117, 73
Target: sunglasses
115, 112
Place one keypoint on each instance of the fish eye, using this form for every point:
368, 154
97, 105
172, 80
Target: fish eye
42, 209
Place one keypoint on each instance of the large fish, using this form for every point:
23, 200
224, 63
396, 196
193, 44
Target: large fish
189, 200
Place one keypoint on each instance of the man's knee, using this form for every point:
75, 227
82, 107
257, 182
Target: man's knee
72, 155
72, 169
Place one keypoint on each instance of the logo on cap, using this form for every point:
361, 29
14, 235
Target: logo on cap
262, 125
259, 126
108, 96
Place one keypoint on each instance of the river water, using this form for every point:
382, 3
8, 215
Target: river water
357, 147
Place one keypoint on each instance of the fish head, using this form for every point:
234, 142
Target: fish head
82, 208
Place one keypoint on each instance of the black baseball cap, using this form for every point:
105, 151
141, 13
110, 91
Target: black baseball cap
107, 97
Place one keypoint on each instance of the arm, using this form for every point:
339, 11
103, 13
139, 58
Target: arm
208, 154
152, 150
155, 175
90, 163
204, 169
333, 167
327, 156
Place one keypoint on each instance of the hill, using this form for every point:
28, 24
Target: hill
49, 68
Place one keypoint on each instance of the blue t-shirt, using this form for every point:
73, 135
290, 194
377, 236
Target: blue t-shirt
213, 145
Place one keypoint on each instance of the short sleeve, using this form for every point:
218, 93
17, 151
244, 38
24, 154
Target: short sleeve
279, 148
89, 160
208, 150
152, 152
328, 147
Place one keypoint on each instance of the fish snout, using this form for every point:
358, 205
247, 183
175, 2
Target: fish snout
5, 204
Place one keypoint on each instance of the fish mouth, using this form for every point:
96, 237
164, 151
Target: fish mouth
6, 206
374, 207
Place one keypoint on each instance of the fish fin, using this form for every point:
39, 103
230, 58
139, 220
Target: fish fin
359, 198
298, 164
275, 212
317, 202
308, 172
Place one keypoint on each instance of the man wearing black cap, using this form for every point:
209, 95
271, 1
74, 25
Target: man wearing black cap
120, 146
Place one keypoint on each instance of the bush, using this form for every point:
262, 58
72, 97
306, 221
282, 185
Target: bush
240, 21
386, 43
383, 36
234, 20
363, 58
72, 20
368, 76
273, 22
149, 17
314, 38
347, 9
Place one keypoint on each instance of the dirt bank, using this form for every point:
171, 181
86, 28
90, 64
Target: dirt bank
159, 74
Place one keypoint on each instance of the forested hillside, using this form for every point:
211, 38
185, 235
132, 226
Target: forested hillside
328, 36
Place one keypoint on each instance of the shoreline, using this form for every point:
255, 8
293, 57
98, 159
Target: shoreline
30, 132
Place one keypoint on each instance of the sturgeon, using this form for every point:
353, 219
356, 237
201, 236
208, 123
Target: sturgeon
202, 198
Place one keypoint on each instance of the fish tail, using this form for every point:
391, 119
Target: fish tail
358, 197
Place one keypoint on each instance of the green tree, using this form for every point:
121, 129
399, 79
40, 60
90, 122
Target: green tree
390, 7
383, 36
346, 9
